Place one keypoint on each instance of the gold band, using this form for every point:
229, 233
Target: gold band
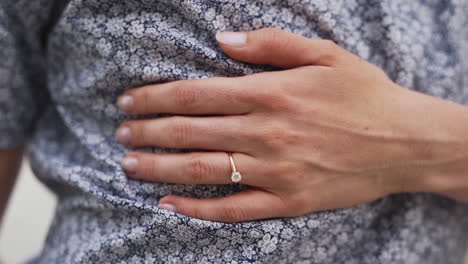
235, 175
233, 166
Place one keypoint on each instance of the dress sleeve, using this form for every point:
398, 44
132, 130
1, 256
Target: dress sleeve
24, 25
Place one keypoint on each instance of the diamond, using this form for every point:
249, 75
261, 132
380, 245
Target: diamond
236, 176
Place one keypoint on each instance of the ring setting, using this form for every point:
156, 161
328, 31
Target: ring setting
235, 175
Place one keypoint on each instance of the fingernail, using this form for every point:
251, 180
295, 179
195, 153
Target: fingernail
167, 206
130, 164
123, 135
125, 103
232, 38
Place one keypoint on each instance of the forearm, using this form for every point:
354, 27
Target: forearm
10, 161
441, 148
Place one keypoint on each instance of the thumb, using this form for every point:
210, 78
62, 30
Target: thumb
279, 48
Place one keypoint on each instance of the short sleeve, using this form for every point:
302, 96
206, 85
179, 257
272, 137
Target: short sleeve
23, 80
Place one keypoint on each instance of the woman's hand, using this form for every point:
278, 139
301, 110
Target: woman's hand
330, 131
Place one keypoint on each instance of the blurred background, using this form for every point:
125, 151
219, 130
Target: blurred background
27, 218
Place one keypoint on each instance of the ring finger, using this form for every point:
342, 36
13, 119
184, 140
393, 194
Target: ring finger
194, 168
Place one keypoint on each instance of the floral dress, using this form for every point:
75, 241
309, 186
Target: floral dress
64, 63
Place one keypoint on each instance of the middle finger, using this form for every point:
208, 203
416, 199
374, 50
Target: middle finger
227, 133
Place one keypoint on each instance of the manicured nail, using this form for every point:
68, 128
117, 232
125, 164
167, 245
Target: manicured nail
123, 135
232, 38
167, 206
130, 164
125, 103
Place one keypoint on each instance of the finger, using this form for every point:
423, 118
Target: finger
279, 48
193, 168
251, 204
226, 133
205, 96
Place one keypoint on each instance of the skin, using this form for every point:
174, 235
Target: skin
10, 162
329, 131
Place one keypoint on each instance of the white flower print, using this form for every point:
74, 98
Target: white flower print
96, 50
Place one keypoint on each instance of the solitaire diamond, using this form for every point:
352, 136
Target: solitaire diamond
236, 176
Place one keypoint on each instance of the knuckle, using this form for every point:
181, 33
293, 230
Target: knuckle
273, 94
151, 170
197, 169
280, 101
233, 213
253, 95
279, 136
288, 171
275, 38
197, 212
185, 94
142, 133
276, 169
328, 46
180, 132
329, 51
272, 33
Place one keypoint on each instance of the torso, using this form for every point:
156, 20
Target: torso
98, 49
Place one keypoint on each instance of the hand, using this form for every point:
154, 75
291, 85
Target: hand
329, 131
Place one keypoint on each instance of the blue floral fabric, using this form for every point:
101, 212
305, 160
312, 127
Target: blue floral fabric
64, 63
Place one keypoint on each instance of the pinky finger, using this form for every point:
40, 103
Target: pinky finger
251, 204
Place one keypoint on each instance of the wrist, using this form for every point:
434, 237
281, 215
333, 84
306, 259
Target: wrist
438, 145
